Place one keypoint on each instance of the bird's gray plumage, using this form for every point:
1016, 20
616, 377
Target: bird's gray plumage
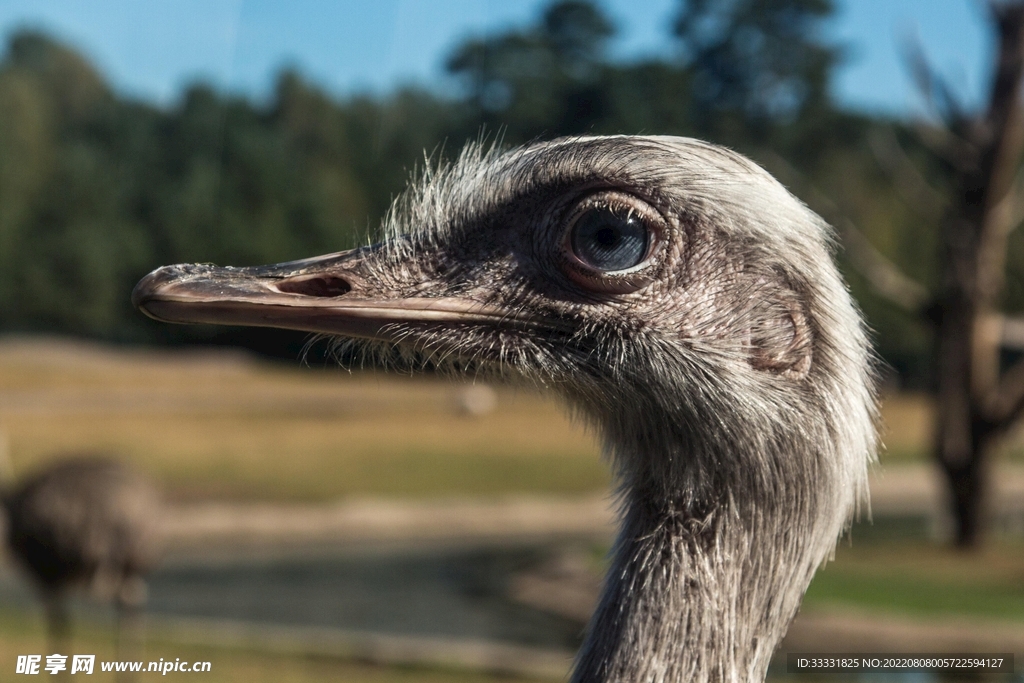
727, 372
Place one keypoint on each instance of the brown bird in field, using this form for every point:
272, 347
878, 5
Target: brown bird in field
685, 305
86, 523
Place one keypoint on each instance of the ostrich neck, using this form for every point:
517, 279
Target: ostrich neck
701, 588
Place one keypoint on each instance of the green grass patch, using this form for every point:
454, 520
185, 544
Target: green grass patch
919, 578
408, 474
913, 595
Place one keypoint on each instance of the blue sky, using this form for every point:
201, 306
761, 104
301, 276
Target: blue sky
151, 48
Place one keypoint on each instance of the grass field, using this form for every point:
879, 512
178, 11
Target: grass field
916, 577
901, 577
22, 634
223, 425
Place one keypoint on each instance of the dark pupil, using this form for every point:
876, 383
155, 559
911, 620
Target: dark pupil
607, 241
607, 237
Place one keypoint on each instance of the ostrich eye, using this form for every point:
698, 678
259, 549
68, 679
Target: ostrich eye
608, 241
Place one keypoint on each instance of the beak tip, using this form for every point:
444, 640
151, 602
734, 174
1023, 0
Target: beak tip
148, 287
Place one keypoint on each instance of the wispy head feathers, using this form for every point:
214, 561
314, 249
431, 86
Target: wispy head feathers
734, 392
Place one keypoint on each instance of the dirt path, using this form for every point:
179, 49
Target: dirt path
390, 520
907, 490
897, 491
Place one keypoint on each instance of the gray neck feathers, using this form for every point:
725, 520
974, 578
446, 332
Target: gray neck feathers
727, 511
697, 595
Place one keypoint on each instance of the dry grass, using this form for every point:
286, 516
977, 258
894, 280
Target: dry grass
21, 634
907, 424
223, 425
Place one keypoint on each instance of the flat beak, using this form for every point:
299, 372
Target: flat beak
333, 294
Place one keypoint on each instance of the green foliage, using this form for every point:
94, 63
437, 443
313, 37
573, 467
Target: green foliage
96, 189
760, 60
547, 80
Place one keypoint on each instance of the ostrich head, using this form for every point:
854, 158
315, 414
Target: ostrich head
684, 304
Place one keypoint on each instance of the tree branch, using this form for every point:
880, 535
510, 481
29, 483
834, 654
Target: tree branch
1015, 199
954, 149
933, 88
952, 140
884, 276
1007, 214
912, 186
1012, 332
1000, 171
1006, 404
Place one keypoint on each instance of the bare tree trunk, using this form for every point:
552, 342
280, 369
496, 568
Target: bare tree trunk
955, 437
977, 400
976, 404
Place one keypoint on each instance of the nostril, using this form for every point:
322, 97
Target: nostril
318, 285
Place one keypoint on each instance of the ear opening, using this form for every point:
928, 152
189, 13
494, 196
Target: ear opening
780, 336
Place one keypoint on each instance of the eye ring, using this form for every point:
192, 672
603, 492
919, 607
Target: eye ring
611, 243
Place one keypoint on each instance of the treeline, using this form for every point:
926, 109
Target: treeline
97, 189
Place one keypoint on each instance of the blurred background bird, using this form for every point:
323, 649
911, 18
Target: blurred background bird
85, 524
